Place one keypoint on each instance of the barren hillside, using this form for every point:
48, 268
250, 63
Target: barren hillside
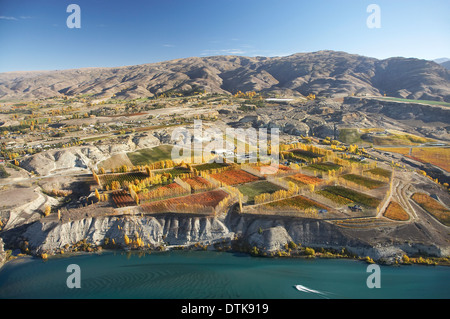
323, 73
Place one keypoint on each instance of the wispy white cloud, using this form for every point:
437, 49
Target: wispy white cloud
8, 18
15, 18
168, 45
268, 53
223, 52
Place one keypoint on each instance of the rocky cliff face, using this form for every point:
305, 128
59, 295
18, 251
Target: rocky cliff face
154, 231
269, 234
272, 234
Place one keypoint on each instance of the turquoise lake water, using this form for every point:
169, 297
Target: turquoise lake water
215, 275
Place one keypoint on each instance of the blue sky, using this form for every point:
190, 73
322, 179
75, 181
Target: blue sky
34, 34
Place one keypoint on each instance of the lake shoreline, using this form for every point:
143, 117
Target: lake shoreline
321, 253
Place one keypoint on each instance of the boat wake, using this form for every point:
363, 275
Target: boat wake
310, 291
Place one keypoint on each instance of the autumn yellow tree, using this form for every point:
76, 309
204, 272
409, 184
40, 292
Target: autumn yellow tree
148, 171
405, 259
96, 177
97, 194
309, 251
115, 185
47, 210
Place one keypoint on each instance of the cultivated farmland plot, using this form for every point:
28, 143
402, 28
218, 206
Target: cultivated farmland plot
433, 207
296, 206
338, 199
256, 188
396, 212
235, 177
363, 181
340, 194
439, 156
151, 155
198, 183
210, 166
378, 171
297, 202
302, 179
324, 167
271, 171
197, 203
161, 192
122, 199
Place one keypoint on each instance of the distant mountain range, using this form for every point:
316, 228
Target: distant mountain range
441, 60
327, 73
446, 64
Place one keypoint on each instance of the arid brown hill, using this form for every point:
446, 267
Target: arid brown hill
323, 73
